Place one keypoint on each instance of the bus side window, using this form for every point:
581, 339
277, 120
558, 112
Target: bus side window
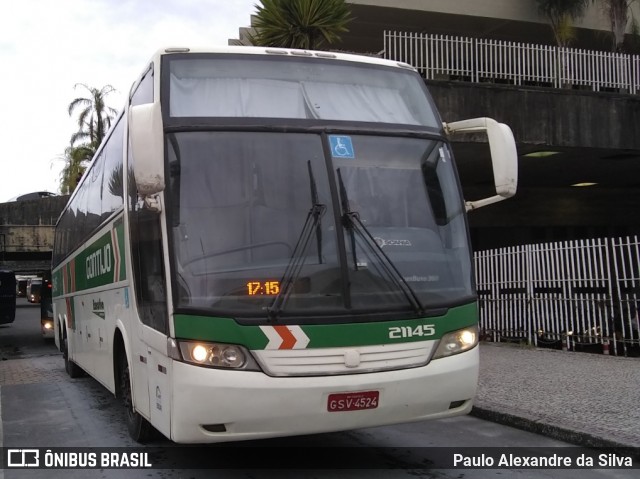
150, 274
144, 91
149, 269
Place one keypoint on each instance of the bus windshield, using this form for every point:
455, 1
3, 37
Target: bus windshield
254, 86
309, 223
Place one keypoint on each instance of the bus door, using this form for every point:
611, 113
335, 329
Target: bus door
152, 367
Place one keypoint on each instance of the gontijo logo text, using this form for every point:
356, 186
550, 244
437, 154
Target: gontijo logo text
99, 262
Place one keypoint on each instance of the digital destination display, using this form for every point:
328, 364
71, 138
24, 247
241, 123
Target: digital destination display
260, 288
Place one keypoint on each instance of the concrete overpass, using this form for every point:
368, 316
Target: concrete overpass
26, 233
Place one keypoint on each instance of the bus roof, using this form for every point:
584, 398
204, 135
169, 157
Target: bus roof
275, 51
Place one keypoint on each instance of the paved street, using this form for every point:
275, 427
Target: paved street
547, 391
589, 399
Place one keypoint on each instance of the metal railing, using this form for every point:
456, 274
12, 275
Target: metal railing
575, 295
481, 60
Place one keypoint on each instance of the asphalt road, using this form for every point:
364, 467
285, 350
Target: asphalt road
22, 339
42, 407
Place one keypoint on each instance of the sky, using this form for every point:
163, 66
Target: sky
49, 46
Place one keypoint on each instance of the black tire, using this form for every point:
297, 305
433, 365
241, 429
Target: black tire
73, 370
139, 428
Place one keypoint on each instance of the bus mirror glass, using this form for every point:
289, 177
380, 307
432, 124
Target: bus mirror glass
504, 156
147, 148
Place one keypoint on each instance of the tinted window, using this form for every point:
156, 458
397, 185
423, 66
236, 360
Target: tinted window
92, 188
144, 92
112, 186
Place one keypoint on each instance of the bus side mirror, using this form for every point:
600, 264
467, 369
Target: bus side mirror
147, 148
504, 156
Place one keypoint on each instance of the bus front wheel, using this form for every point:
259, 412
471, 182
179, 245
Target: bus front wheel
139, 428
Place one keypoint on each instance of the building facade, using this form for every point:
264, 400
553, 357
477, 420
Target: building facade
510, 20
582, 132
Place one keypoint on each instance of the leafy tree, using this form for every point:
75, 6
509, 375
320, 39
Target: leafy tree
561, 14
76, 159
620, 15
305, 24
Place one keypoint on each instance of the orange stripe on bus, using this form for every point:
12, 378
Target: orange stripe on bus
288, 339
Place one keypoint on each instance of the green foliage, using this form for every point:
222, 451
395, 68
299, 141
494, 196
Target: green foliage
619, 14
305, 24
94, 121
76, 159
560, 14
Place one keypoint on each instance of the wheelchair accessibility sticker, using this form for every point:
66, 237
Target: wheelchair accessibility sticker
341, 147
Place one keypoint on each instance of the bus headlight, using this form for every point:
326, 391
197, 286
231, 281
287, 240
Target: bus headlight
457, 342
199, 353
215, 355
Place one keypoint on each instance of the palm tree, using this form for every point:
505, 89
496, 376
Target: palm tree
305, 24
619, 14
561, 14
94, 120
116, 181
95, 116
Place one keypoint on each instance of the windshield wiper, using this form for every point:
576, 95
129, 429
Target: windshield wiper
351, 221
317, 209
298, 257
346, 222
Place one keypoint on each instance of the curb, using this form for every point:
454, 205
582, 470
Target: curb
554, 432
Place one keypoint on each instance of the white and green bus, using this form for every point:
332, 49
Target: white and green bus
287, 253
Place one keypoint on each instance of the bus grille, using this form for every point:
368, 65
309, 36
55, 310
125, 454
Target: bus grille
347, 360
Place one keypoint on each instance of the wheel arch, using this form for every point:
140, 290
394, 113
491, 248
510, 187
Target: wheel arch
119, 351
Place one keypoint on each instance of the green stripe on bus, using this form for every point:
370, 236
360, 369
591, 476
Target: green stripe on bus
94, 266
56, 283
226, 330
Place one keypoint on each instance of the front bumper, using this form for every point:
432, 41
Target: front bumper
213, 405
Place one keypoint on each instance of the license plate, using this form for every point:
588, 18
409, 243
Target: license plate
355, 401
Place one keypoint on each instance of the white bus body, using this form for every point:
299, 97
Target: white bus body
287, 254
